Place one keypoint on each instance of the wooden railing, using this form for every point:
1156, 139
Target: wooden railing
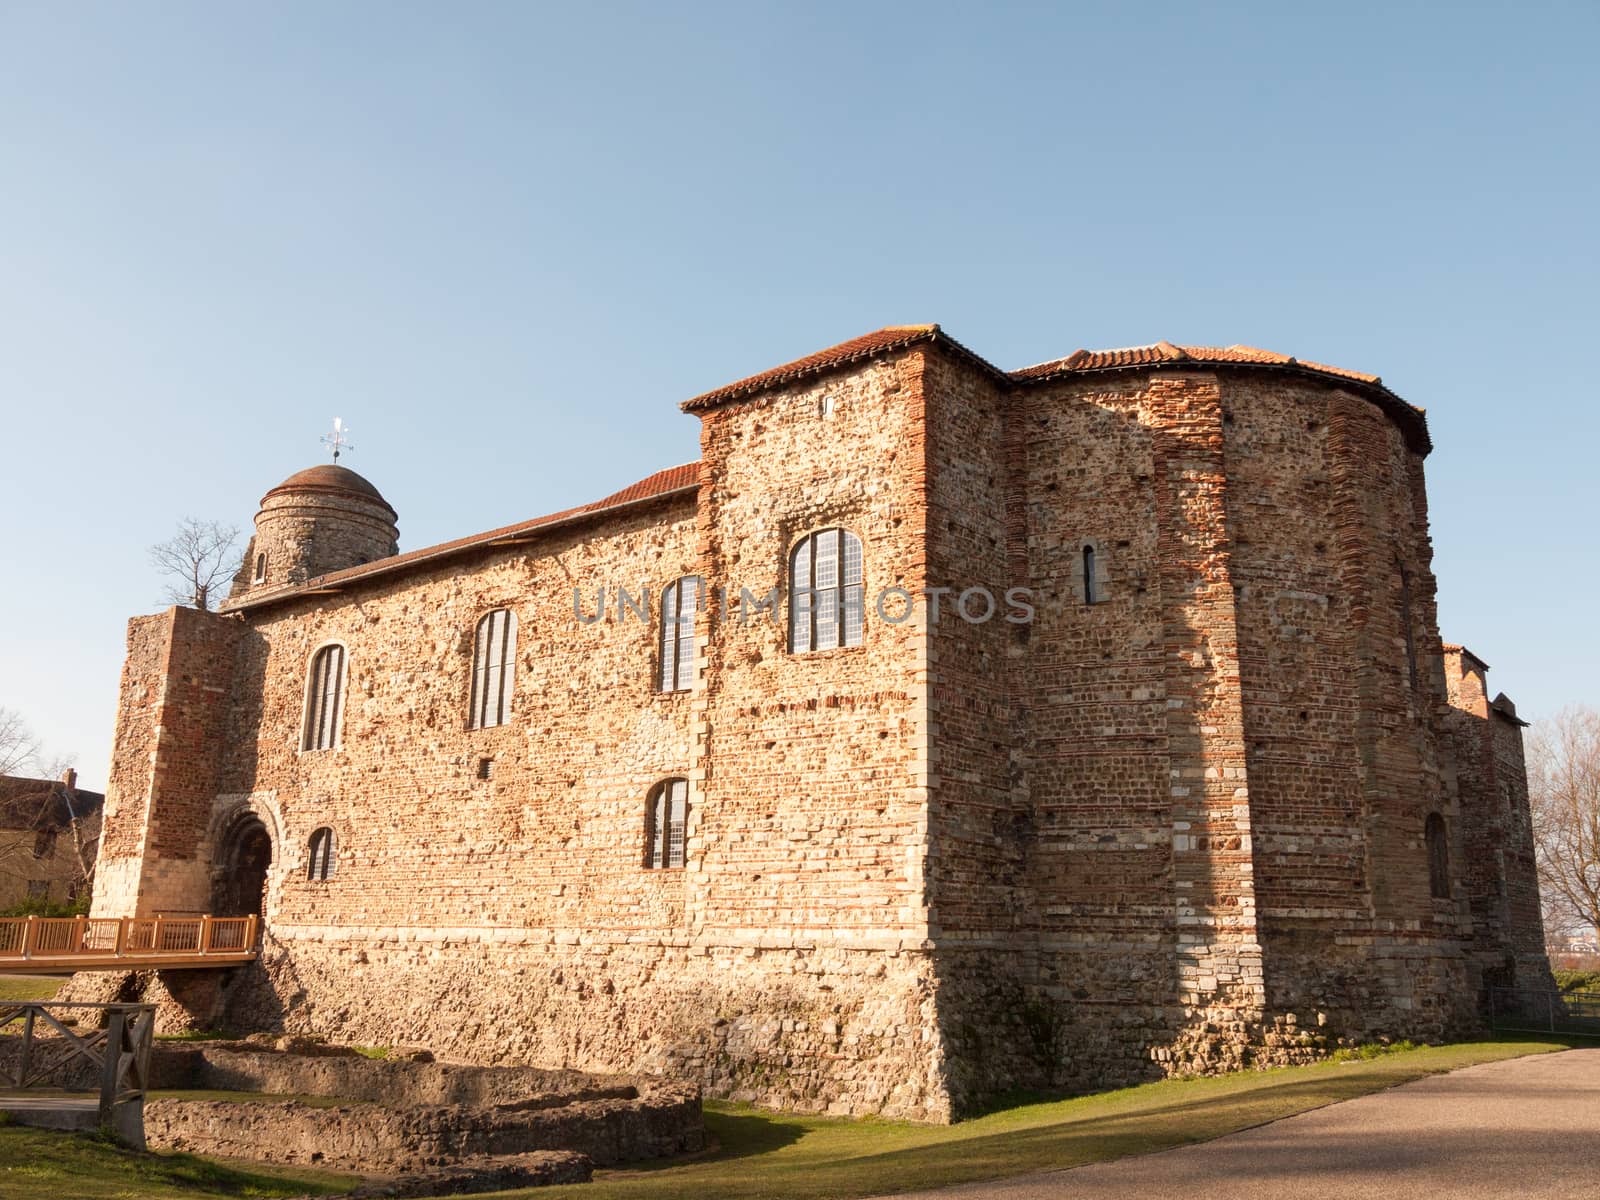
111, 940
118, 1055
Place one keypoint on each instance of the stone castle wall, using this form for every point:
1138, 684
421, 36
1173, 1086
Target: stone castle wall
1499, 874
1211, 801
1179, 827
173, 717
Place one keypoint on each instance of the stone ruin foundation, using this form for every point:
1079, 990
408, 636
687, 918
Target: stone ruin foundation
421, 1127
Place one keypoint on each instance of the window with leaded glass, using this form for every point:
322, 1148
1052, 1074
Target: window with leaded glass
826, 595
324, 699
319, 869
494, 668
679, 603
668, 814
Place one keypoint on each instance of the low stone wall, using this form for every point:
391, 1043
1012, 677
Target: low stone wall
376, 1138
403, 1115
411, 1115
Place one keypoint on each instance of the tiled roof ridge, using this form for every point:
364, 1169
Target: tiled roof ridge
894, 338
1411, 419
888, 340
1159, 352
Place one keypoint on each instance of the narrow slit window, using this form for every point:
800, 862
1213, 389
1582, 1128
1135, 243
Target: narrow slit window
319, 868
1406, 627
261, 568
494, 666
1434, 833
324, 699
1090, 593
827, 599
680, 601
667, 819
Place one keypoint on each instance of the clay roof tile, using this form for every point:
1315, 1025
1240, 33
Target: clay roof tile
888, 340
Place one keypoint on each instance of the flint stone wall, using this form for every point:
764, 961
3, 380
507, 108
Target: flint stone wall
408, 1114
415, 1114
373, 1138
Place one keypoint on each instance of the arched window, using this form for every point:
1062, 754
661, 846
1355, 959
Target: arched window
324, 699
1438, 856
319, 869
826, 595
261, 568
680, 601
494, 669
1090, 594
666, 816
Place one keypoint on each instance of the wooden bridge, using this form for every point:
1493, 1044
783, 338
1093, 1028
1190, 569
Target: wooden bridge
124, 943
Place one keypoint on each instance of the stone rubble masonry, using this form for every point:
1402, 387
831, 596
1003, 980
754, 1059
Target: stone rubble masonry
172, 720
406, 1115
1499, 871
1179, 828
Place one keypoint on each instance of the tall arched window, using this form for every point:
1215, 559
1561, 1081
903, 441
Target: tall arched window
494, 668
261, 568
826, 595
680, 601
1434, 834
324, 699
319, 867
667, 816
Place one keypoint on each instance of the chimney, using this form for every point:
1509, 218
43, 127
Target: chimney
69, 779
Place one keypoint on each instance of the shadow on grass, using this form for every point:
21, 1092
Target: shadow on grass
740, 1136
39, 1164
813, 1158
730, 1136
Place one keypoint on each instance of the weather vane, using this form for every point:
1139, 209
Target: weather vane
338, 440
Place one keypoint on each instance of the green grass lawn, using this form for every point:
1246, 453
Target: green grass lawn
36, 1164
29, 987
772, 1155
762, 1155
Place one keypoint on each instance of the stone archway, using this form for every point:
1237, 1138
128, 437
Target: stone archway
239, 887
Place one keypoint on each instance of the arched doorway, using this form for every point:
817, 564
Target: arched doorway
240, 884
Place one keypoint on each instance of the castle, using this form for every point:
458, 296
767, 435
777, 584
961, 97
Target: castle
941, 730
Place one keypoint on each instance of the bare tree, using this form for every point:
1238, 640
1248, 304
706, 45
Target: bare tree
66, 787
1564, 796
201, 555
21, 754
18, 746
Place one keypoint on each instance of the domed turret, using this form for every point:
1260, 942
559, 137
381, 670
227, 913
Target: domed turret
323, 519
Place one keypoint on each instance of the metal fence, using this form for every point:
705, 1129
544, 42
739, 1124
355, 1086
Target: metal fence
1526, 1011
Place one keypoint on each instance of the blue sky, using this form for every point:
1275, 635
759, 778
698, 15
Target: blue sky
504, 241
